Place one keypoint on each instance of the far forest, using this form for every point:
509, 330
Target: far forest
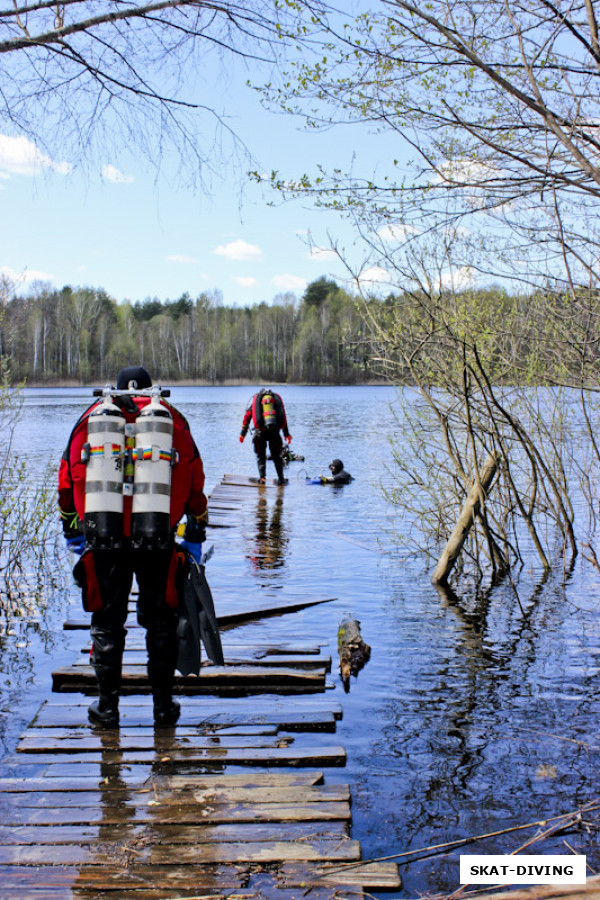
328, 336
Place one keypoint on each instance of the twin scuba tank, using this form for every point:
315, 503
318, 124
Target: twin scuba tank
129, 459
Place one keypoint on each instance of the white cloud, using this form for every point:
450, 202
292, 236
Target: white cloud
239, 250
321, 253
374, 275
19, 156
24, 277
396, 232
181, 259
246, 282
458, 279
110, 173
289, 282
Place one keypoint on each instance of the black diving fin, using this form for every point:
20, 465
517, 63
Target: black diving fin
197, 622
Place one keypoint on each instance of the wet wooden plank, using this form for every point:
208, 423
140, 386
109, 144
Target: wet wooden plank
267, 852
205, 781
247, 481
59, 732
133, 658
153, 795
198, 878
369, 875
210, 706
177, 815
246, 756
212, 678
231, 646
173, 834
260, 611
162, 742
51, 717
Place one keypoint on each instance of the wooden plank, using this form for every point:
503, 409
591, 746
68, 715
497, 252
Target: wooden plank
177, 815
247, 481
152, 795
132, 659
210, 706
369, 875
232, 646
278, 756
233, 618
268, 852
172, 834
198, 878
206, 781
222, 678
164, 742
54, 732
189, 723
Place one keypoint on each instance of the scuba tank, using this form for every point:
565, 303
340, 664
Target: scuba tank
103, 454
153, 455
269, 410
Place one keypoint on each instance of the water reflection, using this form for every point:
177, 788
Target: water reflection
270, 538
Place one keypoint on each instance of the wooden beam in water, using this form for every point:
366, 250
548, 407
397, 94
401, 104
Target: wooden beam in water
247, 679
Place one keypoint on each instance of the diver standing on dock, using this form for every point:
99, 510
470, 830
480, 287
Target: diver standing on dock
131, 469
267, 414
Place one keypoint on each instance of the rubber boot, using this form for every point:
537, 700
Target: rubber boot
105, 710
106, 659
161, 643
166, 710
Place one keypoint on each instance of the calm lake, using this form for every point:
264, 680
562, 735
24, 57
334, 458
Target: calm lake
469, 718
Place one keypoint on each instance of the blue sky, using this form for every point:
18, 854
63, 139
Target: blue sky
118, 226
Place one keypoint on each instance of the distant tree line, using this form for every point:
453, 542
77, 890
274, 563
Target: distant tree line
329, 336
82, 335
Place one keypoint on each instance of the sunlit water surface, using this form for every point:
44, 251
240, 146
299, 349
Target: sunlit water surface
468, 718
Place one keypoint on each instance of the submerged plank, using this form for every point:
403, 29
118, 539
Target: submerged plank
232, 618
282, 756
371, 875
206, 781
120, 814
53, 718
155, 796
275, 851
164, 742
165, 833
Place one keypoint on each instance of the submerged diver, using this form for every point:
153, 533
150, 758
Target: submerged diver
338, 474
131, 438
267, 414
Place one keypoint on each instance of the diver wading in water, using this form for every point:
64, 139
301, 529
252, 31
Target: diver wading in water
130, 471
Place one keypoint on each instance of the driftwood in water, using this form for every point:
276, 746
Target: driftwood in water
463, 525
354, 653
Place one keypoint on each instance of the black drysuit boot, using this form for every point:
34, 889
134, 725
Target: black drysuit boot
105, 710
107, 657
161, 643
166, 710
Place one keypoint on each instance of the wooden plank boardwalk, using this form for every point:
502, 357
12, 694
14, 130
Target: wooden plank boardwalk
231, 802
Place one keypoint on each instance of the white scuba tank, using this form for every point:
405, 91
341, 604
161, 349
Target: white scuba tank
153, 455
103, 454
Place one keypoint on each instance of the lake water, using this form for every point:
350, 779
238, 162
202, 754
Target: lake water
468, 718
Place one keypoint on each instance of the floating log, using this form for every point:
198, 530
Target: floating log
354, 653
465, 521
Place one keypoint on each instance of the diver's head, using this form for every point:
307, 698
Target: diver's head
134, 378
336, 466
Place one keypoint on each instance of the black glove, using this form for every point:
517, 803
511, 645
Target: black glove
195, 530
